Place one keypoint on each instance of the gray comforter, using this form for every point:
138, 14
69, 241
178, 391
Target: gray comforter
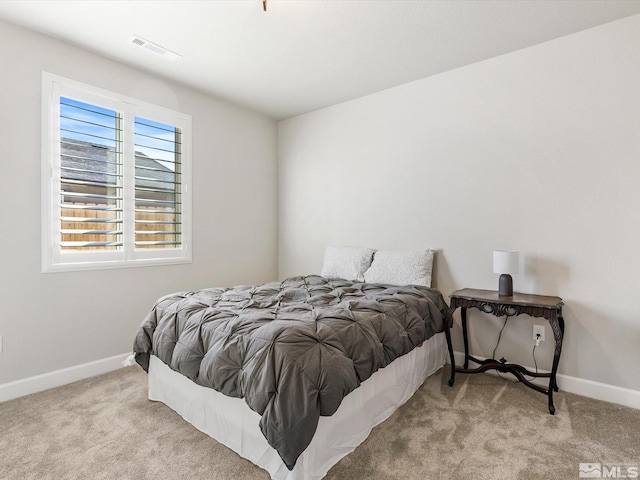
293, 349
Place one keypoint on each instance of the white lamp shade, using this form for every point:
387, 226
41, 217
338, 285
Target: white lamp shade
505, 262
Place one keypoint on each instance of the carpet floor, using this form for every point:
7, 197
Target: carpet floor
485, 427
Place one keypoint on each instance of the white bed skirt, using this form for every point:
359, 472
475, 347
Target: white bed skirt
231, 422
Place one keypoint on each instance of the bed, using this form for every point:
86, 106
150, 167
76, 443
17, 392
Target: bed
294, 374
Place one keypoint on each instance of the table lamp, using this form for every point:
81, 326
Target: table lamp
505, 263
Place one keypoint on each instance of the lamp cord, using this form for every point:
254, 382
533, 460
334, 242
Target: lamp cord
533, 352
506, 318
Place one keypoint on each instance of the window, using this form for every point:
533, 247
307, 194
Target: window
116, 180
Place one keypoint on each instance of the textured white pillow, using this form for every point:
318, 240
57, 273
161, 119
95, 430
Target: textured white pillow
401, 267
348, 263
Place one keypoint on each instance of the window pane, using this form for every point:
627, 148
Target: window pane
157, 185
90, 177
114, 183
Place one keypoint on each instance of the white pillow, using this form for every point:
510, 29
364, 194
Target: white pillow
401, 267
348, 263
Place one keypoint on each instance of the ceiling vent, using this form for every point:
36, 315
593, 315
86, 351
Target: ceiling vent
155, 48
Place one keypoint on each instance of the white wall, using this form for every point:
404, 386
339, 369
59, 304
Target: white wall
59, 320
536, 151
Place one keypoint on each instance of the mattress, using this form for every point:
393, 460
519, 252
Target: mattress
231, 422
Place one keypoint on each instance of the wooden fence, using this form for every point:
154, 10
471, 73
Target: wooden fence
68, 226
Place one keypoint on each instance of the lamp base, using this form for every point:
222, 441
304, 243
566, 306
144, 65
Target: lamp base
505, 285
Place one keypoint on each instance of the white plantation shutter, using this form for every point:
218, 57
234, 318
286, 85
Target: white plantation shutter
115, 180
158, 182
91, 193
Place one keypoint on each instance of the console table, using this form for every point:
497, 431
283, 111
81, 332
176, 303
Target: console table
488, 301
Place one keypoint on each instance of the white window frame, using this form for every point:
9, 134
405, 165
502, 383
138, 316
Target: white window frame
54, 259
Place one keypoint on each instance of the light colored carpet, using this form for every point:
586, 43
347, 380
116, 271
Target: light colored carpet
484, 427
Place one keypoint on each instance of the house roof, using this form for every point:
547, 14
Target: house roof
95, 163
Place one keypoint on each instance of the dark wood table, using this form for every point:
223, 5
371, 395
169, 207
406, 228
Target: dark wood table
488, 301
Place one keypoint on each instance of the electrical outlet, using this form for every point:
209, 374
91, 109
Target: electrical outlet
538, 332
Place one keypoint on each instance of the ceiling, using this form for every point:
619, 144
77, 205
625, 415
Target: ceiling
302, 55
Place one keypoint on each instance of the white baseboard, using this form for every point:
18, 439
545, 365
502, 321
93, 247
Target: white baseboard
58, 378
581, 386
567, 383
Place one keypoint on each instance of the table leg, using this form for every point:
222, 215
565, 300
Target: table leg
463, 314
557, 325
447, 333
